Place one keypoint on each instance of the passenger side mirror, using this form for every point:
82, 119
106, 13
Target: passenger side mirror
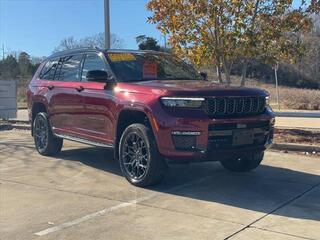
97, 76
204, 76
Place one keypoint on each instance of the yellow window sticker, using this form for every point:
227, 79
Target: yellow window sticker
121, 57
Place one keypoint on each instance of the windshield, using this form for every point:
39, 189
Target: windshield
131, 67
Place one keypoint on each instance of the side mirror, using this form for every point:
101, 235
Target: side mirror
204, 76
97, 76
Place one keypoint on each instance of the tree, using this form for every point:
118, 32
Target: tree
25, 65
96, 40
219, 32
147, 43
9, 68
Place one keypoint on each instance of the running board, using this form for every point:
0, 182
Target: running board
85, 141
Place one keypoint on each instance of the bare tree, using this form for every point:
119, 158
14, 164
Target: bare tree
96, 40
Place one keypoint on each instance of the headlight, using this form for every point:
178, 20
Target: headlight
182, 102
267, 100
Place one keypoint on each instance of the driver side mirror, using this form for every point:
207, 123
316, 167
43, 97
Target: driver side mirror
204, 76
97, 76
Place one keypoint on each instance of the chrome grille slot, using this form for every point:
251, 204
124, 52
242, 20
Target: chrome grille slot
234, 106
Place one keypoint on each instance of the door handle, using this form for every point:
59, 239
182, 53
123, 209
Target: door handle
80, 88
50, 87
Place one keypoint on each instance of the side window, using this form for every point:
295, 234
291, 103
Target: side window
70, 69
92, 62
48, 71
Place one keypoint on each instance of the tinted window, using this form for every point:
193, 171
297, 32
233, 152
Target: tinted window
49, 69
92, 62
70, 68
148, 66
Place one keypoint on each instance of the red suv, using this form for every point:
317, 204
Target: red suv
150, 107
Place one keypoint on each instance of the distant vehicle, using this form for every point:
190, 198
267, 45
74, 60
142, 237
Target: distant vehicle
150, 107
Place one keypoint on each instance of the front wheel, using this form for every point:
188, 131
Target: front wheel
140, 161
243, 163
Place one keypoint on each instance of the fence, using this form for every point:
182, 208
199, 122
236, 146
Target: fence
8, 99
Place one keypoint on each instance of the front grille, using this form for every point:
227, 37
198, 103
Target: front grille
225, 142
234, 106
221, 135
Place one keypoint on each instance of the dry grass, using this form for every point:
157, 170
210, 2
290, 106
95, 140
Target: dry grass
22, 94
297, 136
290, 98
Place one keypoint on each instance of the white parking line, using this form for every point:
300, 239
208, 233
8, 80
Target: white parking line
114, 208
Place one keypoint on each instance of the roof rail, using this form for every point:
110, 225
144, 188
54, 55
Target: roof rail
74, 50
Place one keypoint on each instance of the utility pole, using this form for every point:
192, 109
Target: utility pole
107, 24
2, 51
276, 67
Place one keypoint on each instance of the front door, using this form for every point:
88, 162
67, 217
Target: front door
98, 120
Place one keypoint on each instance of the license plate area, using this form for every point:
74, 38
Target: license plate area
242, 137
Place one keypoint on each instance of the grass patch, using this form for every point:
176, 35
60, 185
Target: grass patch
297, 136
290, 98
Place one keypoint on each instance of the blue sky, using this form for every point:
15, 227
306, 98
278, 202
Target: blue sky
37, 26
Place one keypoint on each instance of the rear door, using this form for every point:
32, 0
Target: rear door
66, 103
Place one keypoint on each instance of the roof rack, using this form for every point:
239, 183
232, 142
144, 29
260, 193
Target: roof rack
82, 49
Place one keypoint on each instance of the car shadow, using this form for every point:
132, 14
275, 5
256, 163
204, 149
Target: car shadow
261, 190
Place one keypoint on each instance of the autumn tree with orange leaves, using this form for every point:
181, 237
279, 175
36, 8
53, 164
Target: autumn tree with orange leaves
220, 32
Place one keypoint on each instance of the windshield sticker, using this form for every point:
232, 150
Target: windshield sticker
150, 70
121, 57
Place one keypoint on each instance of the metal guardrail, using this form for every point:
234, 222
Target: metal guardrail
8, 99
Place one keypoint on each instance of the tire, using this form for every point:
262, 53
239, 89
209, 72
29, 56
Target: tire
243, 164
140, 161
45, 142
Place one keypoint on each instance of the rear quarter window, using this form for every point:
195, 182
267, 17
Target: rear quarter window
70, 69
49, 69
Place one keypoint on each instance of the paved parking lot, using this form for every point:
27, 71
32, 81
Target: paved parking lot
80, 194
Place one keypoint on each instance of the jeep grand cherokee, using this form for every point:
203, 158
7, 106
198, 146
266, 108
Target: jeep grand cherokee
150, 107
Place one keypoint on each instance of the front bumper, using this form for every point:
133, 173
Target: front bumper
181, 136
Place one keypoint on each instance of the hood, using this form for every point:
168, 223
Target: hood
195, 88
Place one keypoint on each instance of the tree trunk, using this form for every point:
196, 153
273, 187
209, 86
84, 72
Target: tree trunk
244, 72
218, 66
219, 74
227, 70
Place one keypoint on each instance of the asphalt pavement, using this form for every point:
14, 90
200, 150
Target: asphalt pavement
81, 194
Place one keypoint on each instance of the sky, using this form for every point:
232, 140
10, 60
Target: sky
38, 26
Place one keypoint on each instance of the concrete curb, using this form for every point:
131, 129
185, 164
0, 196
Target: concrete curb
298, 114
9, 127
17, 121
295, 147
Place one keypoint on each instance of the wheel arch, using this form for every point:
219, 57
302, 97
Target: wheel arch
130, 116
36, 108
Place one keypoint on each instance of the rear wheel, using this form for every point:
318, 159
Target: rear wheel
140, 161
46, 143
243, 164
